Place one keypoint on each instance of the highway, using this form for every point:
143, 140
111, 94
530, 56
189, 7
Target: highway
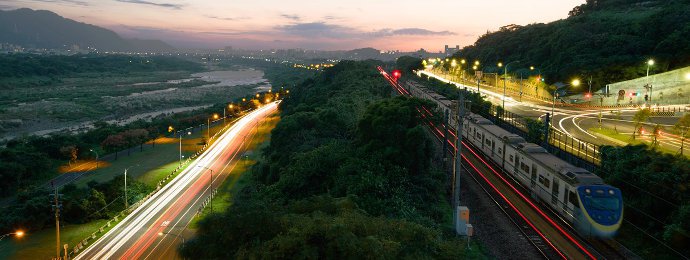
158, 226
576, 122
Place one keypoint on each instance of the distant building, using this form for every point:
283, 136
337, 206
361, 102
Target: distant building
451, 51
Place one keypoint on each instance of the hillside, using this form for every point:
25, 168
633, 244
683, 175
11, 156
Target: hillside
45, 29
609, 40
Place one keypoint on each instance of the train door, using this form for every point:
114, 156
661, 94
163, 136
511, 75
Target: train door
517, 162
493, 148
554, 192
533, 179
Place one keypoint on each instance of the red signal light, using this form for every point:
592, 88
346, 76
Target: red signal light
397, 74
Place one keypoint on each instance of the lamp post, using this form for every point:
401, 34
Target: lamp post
475, 67
505, 75
17, 233
536, 91
650, 63
94, 151
210, 186
208, 128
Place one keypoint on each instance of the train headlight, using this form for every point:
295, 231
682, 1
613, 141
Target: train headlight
611, 192
588, 191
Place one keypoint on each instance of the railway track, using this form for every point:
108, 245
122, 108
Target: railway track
564, 242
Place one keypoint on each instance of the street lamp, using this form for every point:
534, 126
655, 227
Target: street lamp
536, 92
210, 186
650, 63
505, 75
127, 201
208, 127
17, 233
94, 151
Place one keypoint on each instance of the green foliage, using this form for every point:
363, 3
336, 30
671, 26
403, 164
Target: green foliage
407, 64
609, 40
639, 118
347, 174
655, 189
535, 130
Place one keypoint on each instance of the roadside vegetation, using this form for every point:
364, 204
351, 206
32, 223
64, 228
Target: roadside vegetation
347, 174
655, 191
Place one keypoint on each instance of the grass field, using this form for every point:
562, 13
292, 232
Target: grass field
627, 138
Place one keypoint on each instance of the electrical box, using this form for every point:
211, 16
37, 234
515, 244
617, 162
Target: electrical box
470, 230
464, 213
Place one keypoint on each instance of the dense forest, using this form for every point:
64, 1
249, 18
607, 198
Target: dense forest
608, 40
348, 174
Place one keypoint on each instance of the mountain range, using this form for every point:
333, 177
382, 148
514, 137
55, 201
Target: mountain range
45, 29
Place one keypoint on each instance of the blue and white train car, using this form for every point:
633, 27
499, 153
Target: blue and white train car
578, 196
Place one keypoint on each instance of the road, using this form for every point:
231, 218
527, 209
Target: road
576, 122
157, 227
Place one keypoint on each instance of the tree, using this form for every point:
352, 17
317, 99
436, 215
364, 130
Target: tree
70, 152
135, 137
535, 130
639, 118
682, 126
114, 143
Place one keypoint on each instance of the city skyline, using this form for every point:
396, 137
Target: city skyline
270, 24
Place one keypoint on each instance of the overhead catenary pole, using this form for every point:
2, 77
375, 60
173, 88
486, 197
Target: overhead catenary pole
458, 161
56, 207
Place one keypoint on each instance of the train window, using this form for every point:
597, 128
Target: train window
511, 158
524, 167
534, 168
500, 151
547, 183
488, 141
572, 198
541, 179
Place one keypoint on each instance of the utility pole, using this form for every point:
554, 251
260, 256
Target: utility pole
56, 208
445, 133
547, 127
126, 202
458, 162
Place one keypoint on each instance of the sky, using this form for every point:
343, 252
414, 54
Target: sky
315, 24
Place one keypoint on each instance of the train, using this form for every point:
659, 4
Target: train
578, 196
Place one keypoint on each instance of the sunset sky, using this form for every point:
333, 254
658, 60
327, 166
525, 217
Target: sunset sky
315, 24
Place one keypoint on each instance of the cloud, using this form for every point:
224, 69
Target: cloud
293, 17
317, 30
227, 18
73, 2
166, 5
420, 31
326, 30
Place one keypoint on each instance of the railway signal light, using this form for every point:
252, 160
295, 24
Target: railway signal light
397, 74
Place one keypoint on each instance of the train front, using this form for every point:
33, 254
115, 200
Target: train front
602, 210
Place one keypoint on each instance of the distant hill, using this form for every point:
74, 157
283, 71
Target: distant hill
609, 40
45, 29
